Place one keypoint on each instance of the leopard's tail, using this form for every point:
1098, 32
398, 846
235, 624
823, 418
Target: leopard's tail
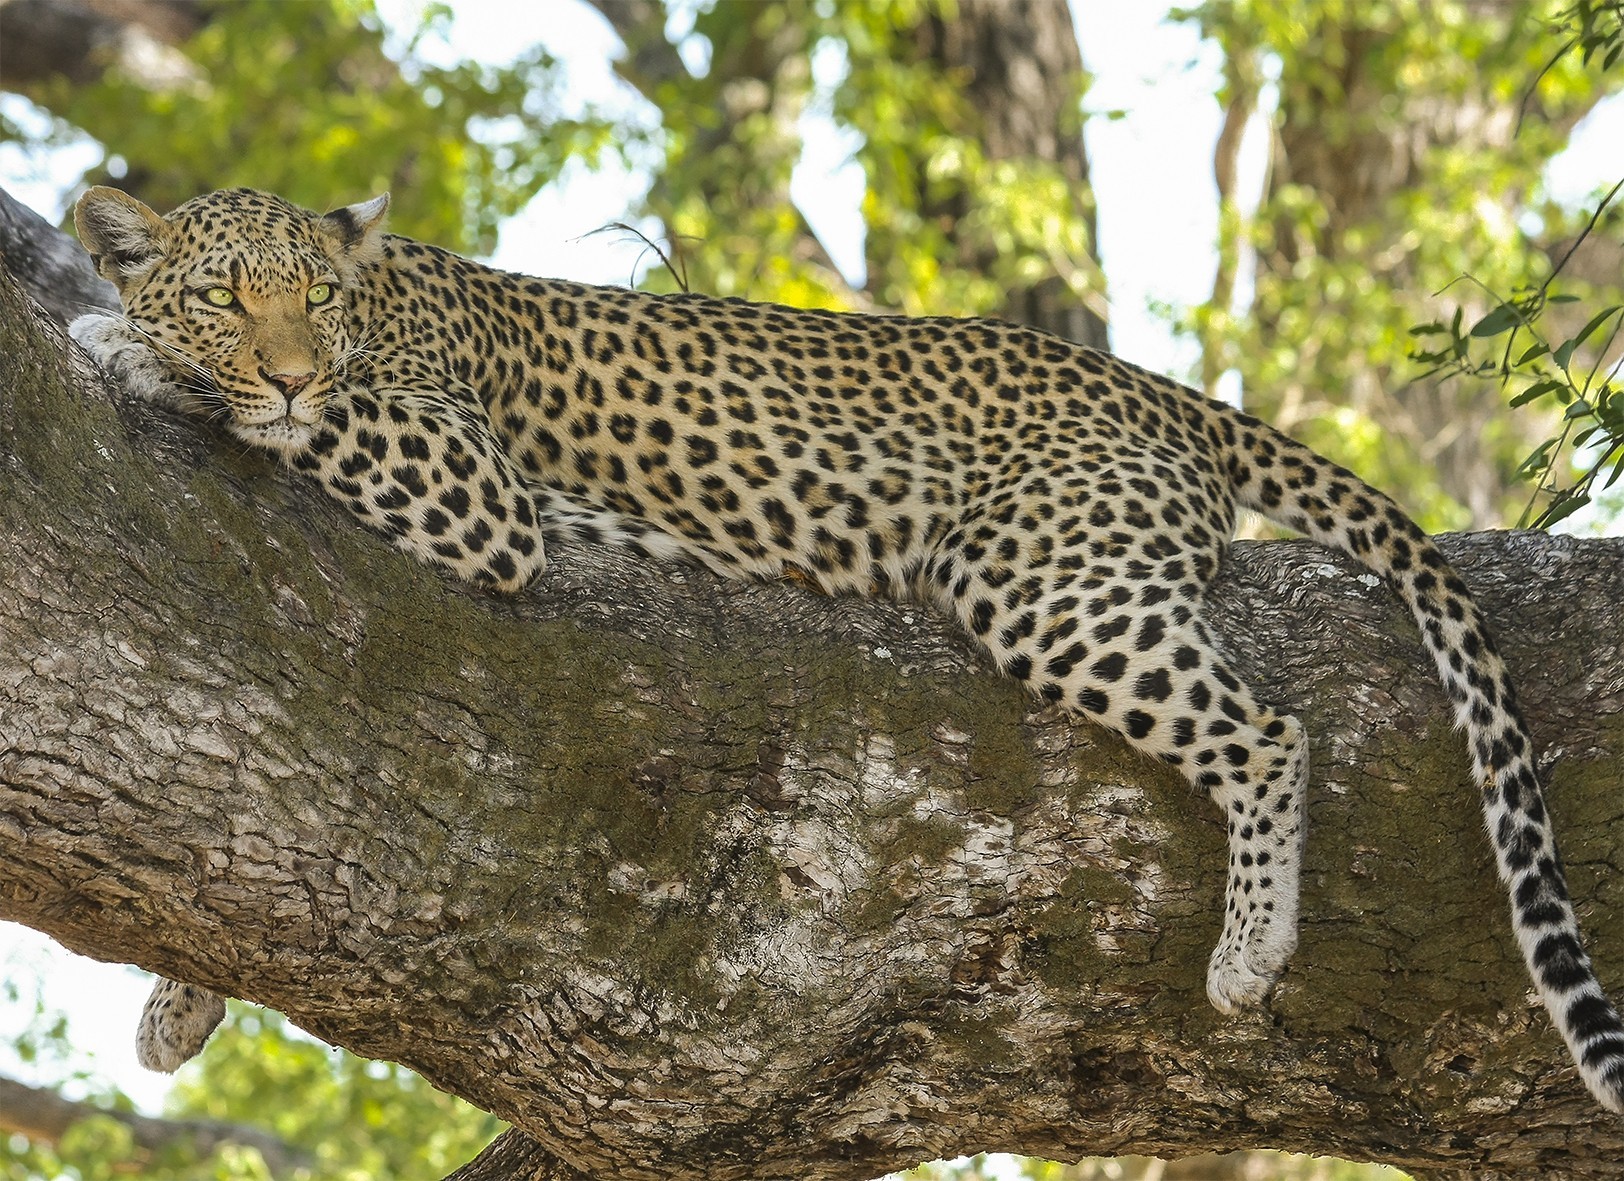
1288, 483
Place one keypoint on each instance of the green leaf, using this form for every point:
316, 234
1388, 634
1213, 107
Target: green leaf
1596, 322
1618, 469
1563, 508
1538, 390
1497, 321
1537, 460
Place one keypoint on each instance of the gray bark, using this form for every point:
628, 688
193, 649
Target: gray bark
689, 879
61, 279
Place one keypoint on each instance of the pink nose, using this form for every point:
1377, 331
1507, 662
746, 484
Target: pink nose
289, 383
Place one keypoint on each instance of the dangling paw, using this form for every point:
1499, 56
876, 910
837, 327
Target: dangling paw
176, 1022
1232, 984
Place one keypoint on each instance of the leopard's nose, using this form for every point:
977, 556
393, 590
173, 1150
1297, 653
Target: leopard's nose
289, 383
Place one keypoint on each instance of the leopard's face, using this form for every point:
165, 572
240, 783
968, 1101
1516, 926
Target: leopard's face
246, 297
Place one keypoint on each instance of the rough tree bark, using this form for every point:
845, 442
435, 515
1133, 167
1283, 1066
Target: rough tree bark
697, 880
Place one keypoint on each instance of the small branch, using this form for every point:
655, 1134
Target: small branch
45, 1117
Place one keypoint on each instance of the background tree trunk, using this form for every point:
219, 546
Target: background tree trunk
1378, 133
1021, 72
701, 880
1009, 79
74, 41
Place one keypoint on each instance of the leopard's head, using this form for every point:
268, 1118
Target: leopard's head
247, 296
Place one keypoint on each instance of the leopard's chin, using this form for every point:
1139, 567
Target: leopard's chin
286, 436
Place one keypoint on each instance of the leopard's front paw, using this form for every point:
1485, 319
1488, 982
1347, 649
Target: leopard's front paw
126, 357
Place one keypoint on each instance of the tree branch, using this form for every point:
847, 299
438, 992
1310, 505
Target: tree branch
694, 879
44, 1117
77, 41
650, 59
59, 274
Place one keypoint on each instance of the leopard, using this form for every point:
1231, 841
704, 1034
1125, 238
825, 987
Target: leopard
1066, 508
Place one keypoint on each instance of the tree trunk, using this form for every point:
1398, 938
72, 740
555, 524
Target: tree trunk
689, 879
76, 41
1021, 70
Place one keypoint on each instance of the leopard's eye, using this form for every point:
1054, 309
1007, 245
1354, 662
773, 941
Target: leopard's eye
319, 294
219, 297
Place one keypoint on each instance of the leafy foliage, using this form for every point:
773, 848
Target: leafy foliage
359, 1119
1595, 30
353, 1119
1511, 346
731, 133
950, 229
1395, 172
302, 99
1572, 367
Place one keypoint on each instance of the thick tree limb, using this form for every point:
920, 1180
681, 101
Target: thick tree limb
77, 40
45, 1117
60, 277
688, 879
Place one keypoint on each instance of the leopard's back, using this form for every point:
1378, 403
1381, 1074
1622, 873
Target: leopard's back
858, 449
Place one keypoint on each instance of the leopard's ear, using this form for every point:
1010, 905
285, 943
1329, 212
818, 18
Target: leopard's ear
356, 231
125, 238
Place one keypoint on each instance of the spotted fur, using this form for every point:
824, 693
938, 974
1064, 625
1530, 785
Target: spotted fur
175, 1023
1066, 507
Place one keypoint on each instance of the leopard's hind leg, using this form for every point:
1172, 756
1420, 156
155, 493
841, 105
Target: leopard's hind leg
1133, 655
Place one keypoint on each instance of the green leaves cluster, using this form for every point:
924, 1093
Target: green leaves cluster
1596, 30
350, 1119
947, 230
1540, 358
358, 1119
1573, 370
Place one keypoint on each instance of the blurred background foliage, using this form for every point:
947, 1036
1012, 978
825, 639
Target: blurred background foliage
1407, 144
306, 100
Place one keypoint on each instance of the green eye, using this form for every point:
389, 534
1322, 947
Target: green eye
219, 297
319, 294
